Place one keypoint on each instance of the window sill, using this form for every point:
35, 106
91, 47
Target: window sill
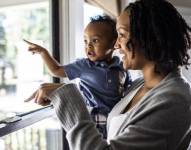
26, 120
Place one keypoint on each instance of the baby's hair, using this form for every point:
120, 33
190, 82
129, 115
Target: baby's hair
108, 20
161, 33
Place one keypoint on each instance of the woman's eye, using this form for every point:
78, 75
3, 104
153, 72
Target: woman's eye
120, 35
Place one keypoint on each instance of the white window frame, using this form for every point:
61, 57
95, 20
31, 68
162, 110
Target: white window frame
71, 29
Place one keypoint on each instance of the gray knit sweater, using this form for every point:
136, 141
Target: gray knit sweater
157, 122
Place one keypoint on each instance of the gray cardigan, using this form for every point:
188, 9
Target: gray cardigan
158, 122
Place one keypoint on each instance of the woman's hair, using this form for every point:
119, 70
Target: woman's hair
161, 33
108, 21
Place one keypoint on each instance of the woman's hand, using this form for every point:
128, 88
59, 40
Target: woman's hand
34, 48
41, 95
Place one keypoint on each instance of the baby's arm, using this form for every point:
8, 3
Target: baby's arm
54, 67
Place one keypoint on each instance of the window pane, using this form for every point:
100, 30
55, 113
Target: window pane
90, 11
21, 73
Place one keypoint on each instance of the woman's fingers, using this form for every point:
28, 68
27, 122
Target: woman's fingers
36, 96
43, 101
41, 95
31, 97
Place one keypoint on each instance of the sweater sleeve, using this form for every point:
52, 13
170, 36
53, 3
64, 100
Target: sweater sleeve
153, 128
75, 119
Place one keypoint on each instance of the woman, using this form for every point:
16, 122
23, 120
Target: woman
155, 113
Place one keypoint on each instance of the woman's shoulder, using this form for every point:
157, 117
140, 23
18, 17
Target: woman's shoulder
173, 89
136, 83
174, 83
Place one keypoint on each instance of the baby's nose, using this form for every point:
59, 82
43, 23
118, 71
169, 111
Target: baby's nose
89, 45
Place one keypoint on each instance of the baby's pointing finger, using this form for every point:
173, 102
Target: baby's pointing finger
30, 43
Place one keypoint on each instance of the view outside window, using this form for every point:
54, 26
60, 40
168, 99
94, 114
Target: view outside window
21, 73
91, 11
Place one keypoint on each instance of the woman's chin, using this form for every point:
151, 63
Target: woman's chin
125, 67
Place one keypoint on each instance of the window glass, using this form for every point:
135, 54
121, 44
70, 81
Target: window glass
22, 72
90, 11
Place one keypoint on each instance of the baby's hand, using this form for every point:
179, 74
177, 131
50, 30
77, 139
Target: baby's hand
34, 48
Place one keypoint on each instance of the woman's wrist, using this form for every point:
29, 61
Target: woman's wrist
69, 105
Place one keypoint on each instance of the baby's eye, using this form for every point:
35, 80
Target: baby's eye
85, 41
95, 40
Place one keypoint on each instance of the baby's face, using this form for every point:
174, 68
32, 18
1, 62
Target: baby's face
98, 40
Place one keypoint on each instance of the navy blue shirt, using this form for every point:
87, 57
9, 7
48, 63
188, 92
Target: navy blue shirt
101, 84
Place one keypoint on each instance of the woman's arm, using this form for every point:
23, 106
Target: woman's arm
152, 126
148, 129
75, 119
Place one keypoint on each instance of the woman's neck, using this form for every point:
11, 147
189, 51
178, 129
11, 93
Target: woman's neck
151, 78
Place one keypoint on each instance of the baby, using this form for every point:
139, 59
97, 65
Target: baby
102, 78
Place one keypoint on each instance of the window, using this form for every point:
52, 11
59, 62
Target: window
90, 11
21, 73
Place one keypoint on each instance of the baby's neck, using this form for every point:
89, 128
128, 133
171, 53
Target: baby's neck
108, 60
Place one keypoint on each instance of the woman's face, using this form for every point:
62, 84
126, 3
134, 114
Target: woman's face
131, 60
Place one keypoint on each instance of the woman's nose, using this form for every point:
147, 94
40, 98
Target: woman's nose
117, 45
